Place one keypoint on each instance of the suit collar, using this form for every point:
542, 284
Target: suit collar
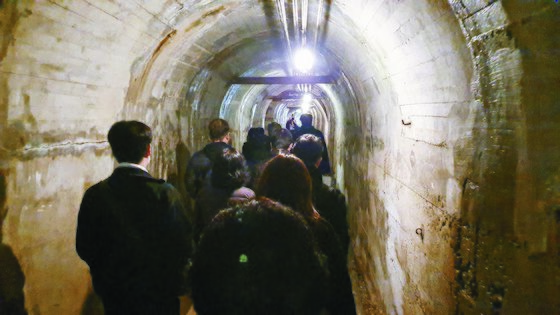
132, 171
133, 165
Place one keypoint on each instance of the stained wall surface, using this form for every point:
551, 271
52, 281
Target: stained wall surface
443, 128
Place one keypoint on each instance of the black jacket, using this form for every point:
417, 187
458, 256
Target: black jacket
134, 234
211, 200
341, 299
325, 166
200, 164
331, 205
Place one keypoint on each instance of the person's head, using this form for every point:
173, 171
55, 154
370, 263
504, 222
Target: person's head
218, 129
273, 129
229, 170
130, 141
306, 120
255, 134
309, 148
285, 179
258, 258
283, 139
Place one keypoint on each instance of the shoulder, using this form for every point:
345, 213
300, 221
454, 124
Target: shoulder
95, 189
162, 185
318, 133
321, 227
330, 195
336, 194
198, 156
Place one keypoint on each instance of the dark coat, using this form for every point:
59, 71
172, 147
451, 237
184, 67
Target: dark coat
200, 164
331, 205
325, 166
212, 199
134, 234
341, 299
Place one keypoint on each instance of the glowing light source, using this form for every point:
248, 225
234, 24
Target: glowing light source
306, 102
304, 60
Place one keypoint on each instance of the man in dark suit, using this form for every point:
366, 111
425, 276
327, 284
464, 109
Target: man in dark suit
133, 231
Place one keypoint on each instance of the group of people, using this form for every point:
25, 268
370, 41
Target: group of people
273, 240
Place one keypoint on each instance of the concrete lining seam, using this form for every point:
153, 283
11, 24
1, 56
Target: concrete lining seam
152, 14
116, 18
99, 143
410, 188
478, 10
59, 80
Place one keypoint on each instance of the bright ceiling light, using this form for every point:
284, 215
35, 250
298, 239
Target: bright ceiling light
303, 60
307, 98
306, 102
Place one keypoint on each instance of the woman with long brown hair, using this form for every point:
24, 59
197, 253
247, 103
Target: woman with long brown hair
286, 180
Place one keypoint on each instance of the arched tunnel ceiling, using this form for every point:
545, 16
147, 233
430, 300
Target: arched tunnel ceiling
236, 38
211, 44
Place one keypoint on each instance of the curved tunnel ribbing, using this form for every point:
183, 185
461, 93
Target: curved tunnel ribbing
442, 127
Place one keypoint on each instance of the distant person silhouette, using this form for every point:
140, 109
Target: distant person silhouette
257, 147
291, 124
133, 231
256, 151
282, 142
273, 129
307, 127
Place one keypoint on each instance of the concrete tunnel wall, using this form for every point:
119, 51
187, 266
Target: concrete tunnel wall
448, 122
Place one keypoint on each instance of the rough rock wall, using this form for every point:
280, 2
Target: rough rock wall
63, 82
402, 184
507, 243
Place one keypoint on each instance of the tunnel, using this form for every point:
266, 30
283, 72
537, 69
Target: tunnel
442, 120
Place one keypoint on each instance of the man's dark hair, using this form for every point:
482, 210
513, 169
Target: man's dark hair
129, 140
218, 128
309, 148
306, 119
258, 258
229, 170
255, 134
